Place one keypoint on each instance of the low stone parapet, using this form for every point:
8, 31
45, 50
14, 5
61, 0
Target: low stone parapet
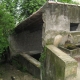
58, 65
28, 63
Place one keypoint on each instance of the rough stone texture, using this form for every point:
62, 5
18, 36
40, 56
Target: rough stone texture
51, 20
69, 52
58, 65
28, 42
7, 71
72, 53
29, 66
76, 36
57, 18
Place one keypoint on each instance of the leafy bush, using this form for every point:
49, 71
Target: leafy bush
6, 24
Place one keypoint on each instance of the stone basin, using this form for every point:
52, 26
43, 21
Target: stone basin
30, 63
72, 52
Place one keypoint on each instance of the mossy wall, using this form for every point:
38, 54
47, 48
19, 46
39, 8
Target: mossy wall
57, 18
58, 65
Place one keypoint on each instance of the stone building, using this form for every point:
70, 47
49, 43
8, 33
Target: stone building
42, 26
40, 29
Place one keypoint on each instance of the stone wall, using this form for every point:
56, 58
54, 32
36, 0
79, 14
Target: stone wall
76, 36
57, 18
28, 63
27, 42
58, 65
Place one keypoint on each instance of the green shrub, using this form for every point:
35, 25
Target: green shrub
6, 24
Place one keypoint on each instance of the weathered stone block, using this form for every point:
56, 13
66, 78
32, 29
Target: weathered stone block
72, 53
29, 63
58, 65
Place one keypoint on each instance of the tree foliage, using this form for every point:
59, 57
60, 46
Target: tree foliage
30, 6
27, 7
6, 24
12, 7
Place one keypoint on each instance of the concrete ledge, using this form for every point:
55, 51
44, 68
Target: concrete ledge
31, 60
31, 64
72, 53
58, 65
75, 33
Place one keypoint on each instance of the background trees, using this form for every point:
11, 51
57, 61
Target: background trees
6, 24
21, 9
12, 7
30, 6
27, 7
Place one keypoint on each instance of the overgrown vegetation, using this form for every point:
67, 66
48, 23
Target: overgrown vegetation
69, 45
30, 6
43, 55
43, 62
18, 64
6, 24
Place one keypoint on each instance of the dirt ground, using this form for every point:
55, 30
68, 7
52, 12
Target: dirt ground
8, 72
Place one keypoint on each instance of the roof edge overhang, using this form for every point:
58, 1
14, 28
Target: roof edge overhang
37, 16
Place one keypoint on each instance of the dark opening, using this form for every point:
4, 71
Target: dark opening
73, 26
78, 46
36, 56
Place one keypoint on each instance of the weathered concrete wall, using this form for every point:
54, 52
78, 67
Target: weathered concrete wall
28, 42
76, 36
57, 18
28, 63
58, 65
